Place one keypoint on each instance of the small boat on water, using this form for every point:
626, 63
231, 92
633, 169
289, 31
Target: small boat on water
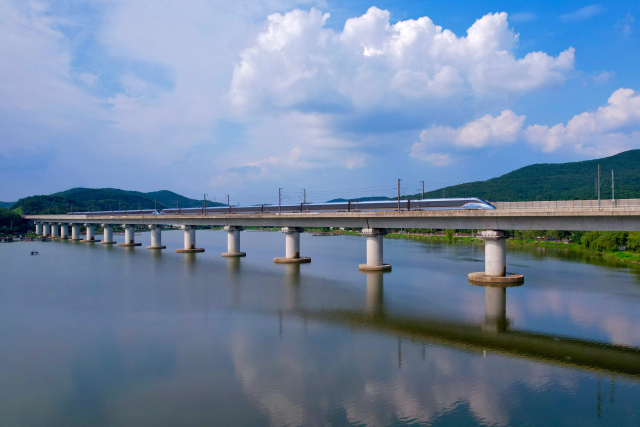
34, 253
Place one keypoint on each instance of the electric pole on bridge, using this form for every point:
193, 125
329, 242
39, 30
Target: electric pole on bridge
304, 199
598, 185
279, 201
613, 189
399, 181
422, 182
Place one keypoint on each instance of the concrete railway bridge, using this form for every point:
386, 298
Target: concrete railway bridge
623, 215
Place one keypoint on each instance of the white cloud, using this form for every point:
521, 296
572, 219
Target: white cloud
602, 76
487, 130
297, 63
583, 14
609, 130
613, 128
625, 25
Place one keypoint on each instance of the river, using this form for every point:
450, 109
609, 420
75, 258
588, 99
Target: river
96, 335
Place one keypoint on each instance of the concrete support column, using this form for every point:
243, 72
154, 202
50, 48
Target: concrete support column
156, 237
129, 236
91, 234
292, 248
108, 234
374, 250
495, 260
495, 252
55, 231
38, 229
75, 232
64, 231
189, 240
233, 242
46, 230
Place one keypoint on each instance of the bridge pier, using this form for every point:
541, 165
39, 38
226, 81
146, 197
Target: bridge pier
108, 234
233, 242
292, 250
55, 231
156, 237
495, 260
91, 234
374, 250
129, 236
75, 232
189, 240
64, 231
38, 229
46, 229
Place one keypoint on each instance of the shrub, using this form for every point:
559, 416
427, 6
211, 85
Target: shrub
633, 240
603, 240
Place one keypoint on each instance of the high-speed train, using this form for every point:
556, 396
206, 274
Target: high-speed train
468, 203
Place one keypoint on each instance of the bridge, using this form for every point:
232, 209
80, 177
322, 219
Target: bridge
618, 215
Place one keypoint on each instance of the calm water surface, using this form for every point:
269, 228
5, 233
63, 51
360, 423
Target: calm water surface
94, 335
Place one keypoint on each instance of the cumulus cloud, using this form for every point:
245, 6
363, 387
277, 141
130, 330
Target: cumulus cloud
612, 128
297, 63
503, 129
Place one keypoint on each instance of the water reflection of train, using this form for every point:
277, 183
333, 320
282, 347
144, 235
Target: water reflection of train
468, 203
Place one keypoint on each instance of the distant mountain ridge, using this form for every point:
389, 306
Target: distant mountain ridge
549, 181
556, 181
7, 205
542, 181
87, 199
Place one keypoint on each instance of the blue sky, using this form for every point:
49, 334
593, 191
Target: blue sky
339, 98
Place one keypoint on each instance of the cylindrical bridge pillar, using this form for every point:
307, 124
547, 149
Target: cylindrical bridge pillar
46, 229
292, 247
156, 237
55, 231
108, 234
91, 234
129, 236
374, 250
38, 229
64, 231
495, 252
75, 232
233, 242
189, 240
495, 261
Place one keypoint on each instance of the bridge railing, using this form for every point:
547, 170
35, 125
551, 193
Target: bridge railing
570, 204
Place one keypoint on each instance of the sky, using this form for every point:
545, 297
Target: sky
341, 99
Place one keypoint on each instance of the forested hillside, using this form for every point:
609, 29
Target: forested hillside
546, 181
87, 199
559, 181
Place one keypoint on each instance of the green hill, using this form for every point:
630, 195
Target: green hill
87, 199
556, 181
548, 181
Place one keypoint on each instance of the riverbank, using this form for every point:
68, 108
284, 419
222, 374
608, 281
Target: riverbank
622, 256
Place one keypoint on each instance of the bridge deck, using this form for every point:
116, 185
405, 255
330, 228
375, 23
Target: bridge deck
622, 218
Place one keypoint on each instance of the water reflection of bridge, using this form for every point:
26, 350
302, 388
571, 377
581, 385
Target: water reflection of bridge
493, 334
